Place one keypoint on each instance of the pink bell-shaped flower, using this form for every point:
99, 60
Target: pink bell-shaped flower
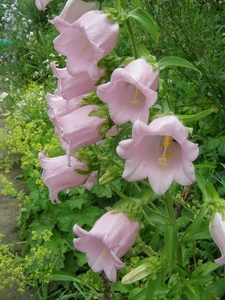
77, 129
217, 231
86, 41
58, 176
160, 152
73, 86
59, 107
109, 239
131, 92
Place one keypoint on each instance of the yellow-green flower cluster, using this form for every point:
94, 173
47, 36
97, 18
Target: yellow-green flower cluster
11, 268
38, 263
7, 187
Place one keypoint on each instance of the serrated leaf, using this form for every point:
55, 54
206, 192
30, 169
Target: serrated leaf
173, 61
146, 21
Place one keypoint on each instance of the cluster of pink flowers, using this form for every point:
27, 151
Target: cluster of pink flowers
159, 151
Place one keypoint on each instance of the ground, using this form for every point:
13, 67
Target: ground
9, 209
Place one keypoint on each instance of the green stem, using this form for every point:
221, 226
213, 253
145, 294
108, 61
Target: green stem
118, 5
145, 207
119, 193
132, 38
137, 187
169, 206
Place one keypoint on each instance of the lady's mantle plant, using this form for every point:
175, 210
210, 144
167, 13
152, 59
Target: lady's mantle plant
99, 95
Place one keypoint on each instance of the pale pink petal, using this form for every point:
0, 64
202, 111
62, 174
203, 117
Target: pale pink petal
78, 129
97, 36
57, 175
74, 86
41, 4
131, 92
109, 239
217, 231
74, 9
147, 157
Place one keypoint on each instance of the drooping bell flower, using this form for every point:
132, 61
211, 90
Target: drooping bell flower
59, 107
160, 152
109, 239
74, 9
41, 4
78, 129
131, 92
58, 176
73, 86
86, 41
217, 231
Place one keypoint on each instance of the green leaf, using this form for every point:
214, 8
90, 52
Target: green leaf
152, 285
200, 279
173, 61
206, 268
175, 288
196, 117
137, 294
142, 50
142, 17
137, 2
182, 270
171, 241
191, 292
62, 276
208, 191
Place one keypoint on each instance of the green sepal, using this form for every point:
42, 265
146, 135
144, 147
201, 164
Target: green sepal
82, 172
111, 174
147, 22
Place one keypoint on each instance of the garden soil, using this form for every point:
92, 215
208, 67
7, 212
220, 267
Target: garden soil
9, 210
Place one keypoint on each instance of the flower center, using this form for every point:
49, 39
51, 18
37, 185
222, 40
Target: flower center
135, 100
106, 252
85, 48
162, 161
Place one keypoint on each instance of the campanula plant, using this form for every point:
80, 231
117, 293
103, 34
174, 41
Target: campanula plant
132, 155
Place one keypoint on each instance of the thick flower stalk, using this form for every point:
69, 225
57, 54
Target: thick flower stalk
78, 129
97, 36
131, 92
160, 152
72, 86
109, 239
217, 231
58, 176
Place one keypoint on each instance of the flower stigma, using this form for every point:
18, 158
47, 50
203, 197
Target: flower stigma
85, 48
106, 252
135, 100
167, 142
